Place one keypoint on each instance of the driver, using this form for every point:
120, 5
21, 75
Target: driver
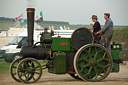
96, 27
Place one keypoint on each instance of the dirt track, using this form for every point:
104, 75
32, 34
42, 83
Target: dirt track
120, 78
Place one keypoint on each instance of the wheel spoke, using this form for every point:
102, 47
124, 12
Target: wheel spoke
89, 53
95, 55
90, 56
26, 64
25, 76
32, 64
104, 66
85, 75
23, 69
100, 66
104, 55
81, 70
90, 69
14, 73
88, 72
106, 59
36, 72
100, 59
95, 69
82, 67
96, 77
87, 65
95, 49
101, 75
89, 49
35, 67
107, 66
90, 77
85, 59
33, 78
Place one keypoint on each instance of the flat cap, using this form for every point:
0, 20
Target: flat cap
94, 17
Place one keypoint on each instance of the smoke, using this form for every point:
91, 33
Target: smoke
31, 3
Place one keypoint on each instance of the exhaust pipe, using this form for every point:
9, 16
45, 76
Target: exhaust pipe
36, 52
30, 25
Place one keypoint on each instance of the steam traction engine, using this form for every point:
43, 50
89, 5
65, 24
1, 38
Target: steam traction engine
76, 56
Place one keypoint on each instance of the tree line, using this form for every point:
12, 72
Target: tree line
42, 22
121, 36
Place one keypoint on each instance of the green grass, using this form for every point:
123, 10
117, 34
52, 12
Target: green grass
4, 25
4, 67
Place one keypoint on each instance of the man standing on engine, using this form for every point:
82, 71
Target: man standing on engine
96, 27
107, 31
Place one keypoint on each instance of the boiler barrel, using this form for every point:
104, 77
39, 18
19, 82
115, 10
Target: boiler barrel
36, 52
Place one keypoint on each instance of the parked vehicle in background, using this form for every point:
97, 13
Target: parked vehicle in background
12, 50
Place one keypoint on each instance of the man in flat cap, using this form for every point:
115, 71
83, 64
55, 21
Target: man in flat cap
107, 31
96, 27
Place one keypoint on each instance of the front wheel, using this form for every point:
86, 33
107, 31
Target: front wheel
29, 70
13, 68
93, 62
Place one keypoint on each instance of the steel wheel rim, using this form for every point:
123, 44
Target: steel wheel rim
93, 68
27, 73
13, 68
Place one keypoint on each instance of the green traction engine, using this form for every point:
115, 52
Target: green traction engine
77, 56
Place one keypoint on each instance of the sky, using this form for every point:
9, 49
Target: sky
72, 11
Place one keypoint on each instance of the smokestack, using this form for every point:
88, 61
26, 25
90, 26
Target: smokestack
30, 25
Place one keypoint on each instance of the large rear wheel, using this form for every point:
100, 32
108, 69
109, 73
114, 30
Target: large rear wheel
93, 62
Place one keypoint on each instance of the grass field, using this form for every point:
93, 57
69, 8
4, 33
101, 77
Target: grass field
4, 25
4, 67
